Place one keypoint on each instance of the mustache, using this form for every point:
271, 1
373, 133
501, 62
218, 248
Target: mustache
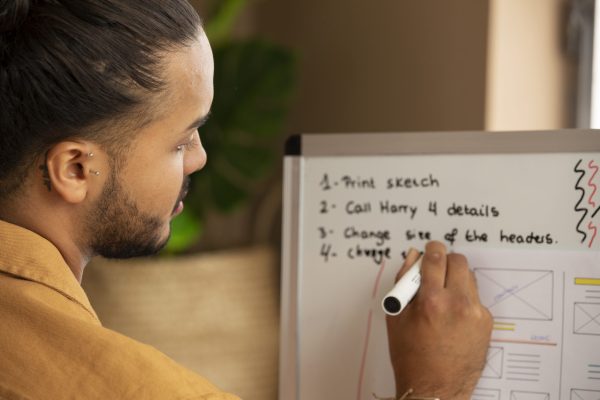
185, 188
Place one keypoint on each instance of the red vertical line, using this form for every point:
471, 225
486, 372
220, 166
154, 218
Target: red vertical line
376, 287
364, 356
592, 227
368, 335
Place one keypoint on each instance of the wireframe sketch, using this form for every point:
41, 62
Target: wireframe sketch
522, 395
583, 394
486, 394
586, 318
493, 363
517, 293
524, 367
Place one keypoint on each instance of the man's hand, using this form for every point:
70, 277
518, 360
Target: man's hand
439, 342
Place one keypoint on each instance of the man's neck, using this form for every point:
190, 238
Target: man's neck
51, 225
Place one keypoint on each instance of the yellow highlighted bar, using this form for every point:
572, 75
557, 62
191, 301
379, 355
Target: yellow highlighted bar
503, 326
587, 281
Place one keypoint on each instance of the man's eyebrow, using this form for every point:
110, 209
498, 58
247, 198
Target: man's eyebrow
199, 122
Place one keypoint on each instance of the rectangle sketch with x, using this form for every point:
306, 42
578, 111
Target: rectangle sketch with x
583, 394
485, 394
522, 395
517, 293
586, 318
493, 363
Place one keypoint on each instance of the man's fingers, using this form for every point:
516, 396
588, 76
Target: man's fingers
474, 296
458, 275
460, 278
411, 258
439, 270
433, 267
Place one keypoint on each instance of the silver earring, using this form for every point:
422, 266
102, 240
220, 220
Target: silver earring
94, 172
90, 154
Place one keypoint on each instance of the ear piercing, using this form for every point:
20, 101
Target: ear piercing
96, 173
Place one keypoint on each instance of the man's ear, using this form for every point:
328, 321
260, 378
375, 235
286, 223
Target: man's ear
69, 169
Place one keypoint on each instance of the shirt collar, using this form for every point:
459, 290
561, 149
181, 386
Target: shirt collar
27, 255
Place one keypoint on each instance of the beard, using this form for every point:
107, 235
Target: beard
118, 229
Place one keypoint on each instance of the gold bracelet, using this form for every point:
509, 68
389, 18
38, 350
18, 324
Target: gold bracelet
405, 396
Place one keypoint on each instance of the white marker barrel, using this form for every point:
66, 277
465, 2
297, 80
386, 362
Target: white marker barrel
404, 290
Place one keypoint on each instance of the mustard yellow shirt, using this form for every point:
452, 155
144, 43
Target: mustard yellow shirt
52, 345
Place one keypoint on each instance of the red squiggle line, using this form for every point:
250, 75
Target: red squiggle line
592, 227
592, 185
363, 361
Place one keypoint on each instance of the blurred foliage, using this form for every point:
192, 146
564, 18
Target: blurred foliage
253, 81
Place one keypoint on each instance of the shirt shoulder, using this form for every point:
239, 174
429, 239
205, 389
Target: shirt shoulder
54, 349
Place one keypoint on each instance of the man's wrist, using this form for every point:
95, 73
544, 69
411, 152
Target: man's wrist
408, 395
431, 393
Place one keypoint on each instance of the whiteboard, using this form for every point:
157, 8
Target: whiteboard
524, 208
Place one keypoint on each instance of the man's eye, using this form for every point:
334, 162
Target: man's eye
188, 145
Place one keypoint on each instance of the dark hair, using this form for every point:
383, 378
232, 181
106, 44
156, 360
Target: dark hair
67, 66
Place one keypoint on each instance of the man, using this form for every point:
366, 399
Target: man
100, 101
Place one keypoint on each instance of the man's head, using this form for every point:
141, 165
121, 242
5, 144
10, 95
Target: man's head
100, 101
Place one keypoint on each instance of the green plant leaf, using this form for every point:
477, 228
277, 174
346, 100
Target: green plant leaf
227, 194
222, 21
186, 228
250, 161
257, 103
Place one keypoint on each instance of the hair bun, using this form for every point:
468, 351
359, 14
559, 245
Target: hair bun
13, 13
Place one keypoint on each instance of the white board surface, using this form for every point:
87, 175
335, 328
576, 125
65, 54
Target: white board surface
527, 221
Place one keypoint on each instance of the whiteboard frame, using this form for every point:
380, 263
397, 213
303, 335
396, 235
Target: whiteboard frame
291, 221
373, 144
466, 142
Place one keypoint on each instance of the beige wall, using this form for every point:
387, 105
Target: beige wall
529, 75
385, 65
425, 65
